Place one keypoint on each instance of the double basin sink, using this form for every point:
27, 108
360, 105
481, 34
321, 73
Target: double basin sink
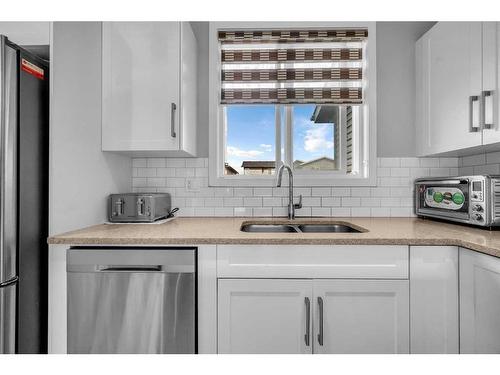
300, 227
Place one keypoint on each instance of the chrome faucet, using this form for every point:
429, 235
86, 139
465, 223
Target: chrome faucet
291, 206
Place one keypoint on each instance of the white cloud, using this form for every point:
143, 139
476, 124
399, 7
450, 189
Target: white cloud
316, 139
266, 147
235, 151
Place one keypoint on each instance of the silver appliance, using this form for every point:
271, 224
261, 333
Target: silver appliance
24, 124
465, 199
125, 300
138, 207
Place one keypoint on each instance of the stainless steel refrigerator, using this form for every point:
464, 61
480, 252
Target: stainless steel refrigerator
24, 130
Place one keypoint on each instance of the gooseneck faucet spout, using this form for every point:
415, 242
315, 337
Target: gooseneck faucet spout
291, 205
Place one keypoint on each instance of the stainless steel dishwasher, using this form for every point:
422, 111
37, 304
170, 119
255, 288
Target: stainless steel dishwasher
124, 300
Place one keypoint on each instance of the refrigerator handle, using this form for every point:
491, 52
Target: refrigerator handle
8, 159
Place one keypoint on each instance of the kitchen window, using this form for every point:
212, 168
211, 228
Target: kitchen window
303, 95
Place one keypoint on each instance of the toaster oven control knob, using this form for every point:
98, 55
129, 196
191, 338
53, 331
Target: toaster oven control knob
478, 208
478, 217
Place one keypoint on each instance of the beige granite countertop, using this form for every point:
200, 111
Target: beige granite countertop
380, 231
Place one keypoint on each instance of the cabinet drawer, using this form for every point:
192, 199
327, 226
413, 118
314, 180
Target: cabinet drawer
297, 261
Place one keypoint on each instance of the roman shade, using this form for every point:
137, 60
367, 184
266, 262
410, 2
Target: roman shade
292, 66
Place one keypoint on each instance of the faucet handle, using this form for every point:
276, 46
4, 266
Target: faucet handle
298, 205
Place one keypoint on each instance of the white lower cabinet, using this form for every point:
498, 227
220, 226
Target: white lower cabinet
313, 316
434, 299
264, 316
361, 316
479, 303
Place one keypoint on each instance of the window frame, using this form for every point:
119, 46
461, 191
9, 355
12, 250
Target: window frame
367, 112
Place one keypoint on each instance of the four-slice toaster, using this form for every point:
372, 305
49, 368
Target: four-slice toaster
138, 207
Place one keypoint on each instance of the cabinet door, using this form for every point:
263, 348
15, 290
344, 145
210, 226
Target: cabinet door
361, 316
434, 299
449, 73
264, 316
491, 84
479, 303
140, 75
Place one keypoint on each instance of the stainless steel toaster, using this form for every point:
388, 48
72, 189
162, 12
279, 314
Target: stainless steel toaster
138, 207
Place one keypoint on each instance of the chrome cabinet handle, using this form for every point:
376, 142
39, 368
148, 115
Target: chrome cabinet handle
486, 101
307, 336
131, 268
472, 100
173, 107
320, 334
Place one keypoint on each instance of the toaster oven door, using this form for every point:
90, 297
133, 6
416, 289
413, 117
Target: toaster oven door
445, 198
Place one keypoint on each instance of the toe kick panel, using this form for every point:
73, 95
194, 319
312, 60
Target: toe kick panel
298, 261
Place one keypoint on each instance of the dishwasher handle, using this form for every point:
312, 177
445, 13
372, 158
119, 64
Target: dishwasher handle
129, 268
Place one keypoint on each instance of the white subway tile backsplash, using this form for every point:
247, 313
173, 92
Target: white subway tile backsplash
351, 202
400, 172
429, 162
330, 202
469, 161
146, 172
243, 192
175, 162
321, 211
321, 191
263, 211
361, 211
155, 182
393, 195
156, 162
487, 169
341, 192
410, 162
448, 162
390, 162
139, 162
341, 212
263, 192
233, 202
360, 191
195, 163
252, 202
165, 172
390, 202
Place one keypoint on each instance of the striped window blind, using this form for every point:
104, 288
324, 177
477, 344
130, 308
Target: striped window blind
292, 66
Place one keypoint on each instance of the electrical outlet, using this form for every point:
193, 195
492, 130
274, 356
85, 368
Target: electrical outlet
192, 184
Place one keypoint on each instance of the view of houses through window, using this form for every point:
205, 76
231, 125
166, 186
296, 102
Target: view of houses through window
251, 138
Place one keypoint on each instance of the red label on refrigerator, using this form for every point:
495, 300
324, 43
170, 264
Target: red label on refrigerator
32, 69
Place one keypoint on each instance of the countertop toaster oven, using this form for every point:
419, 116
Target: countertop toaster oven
465, 199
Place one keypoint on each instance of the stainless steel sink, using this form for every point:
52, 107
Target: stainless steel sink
299, 228
268, 228
327, 228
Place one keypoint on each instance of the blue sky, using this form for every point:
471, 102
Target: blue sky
251, 134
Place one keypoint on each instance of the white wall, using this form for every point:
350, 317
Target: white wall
26, 33
82, 175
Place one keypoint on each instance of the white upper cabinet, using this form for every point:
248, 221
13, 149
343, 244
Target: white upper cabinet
149, 88
491, 83
448, 69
